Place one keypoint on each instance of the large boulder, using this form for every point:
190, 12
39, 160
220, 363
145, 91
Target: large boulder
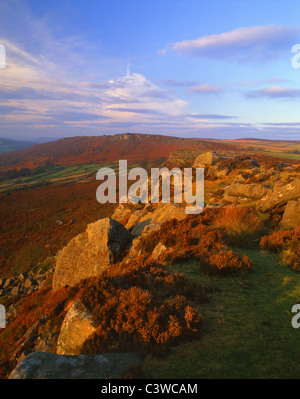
91, 252
291, 216
51, 366
254, 191
76, 328
206, 159
280, 197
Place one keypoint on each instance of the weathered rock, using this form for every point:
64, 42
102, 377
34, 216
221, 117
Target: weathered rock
59, 222
22, 276
29, 282
91, 252
15, 291
158, 250
166, 212
9, 282
51, 366
160, 214
135, 217
280, 196
255, 191
76, 328
206, 159
218, 171
135, 250
291, 216
150, 228
121, 212
138, 229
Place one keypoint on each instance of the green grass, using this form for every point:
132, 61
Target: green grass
247, 330
56, 174
282, 154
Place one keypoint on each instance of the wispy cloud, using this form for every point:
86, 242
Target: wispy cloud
205, 89
210, 116
274, 92
35, 90
258, 43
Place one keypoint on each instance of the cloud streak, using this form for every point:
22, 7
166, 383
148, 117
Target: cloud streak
205, 89
257, 43
274, 92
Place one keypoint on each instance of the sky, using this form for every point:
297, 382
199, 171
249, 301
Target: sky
186, 68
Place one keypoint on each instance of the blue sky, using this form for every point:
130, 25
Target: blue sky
182, 68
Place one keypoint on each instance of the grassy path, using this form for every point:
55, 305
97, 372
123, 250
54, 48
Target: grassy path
247, 330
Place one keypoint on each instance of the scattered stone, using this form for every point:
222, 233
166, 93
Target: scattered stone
22, 276
15, 291
59, 222
29, 282
9, 282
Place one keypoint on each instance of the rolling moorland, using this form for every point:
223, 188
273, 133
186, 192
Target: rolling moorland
147, 286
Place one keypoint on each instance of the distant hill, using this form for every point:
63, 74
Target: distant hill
104, 149
134, 147
7, 145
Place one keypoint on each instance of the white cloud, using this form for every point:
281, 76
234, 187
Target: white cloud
35, 89
256, 43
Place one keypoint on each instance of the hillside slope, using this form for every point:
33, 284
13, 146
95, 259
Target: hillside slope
103, 149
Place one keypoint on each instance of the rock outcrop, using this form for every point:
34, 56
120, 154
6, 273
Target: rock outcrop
291, 216
206, 159
280, 196
51, 366
91, 252
253, 191
77, 327
164, 212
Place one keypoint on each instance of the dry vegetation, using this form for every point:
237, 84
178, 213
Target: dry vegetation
196, 238
287, 242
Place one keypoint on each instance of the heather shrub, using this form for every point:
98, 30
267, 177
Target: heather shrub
280, 239
192, 233
287, 242
142, 307
226, 262
241, 227
195, 238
